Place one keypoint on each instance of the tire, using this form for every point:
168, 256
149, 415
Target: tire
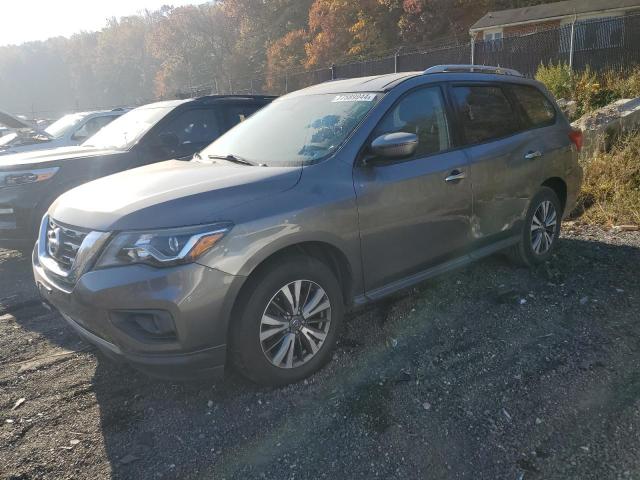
534, 247
264, 323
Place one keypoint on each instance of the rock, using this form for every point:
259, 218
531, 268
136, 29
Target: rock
19, 402
210, 404
506, 414
584, 300
626, 228
568, 107
426, 406
601, 127
74, 442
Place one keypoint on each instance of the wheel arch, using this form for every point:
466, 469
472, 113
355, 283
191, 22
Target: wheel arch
559, 186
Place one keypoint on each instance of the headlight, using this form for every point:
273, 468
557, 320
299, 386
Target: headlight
10, 179
162, 248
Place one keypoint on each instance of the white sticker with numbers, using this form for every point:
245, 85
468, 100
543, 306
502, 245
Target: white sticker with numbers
355, 97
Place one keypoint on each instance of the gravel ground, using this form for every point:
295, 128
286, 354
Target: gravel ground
489, 372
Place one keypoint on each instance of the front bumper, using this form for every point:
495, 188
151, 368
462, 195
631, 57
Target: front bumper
199, 300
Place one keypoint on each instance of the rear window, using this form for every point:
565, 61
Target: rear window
485, 113
538, 109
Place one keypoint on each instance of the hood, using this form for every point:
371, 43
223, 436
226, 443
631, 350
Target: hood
10, 121
169, 194
22, 138
51, 156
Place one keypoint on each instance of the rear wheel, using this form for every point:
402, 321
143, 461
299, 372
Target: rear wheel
288, 321
541, 229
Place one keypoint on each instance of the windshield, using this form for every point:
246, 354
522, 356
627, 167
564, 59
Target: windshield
61, 126
294, 131
125, 131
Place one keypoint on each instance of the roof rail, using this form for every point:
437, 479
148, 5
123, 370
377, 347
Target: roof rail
472, 69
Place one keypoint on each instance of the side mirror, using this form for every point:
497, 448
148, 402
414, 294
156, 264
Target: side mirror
395, 145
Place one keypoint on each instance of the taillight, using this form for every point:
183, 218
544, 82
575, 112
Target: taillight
576, 137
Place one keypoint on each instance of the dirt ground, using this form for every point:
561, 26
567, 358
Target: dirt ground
489, 372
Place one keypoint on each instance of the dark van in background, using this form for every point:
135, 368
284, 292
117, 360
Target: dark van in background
30, 182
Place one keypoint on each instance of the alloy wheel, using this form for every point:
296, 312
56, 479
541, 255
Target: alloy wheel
295, 324
543, 228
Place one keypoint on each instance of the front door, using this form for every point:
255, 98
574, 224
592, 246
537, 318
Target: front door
414, 212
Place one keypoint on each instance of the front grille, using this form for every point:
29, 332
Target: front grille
63, 243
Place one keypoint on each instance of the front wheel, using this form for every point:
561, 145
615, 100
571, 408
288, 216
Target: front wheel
289, 316
541, 229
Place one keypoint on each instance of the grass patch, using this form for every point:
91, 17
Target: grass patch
610, 192
589, 89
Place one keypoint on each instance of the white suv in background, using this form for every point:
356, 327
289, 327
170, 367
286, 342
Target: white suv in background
70, 130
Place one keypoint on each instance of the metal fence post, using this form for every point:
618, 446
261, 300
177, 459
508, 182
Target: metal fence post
215, 81
473, 50
571, 45
286, 82
333, 71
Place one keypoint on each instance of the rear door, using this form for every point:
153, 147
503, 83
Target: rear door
413, 212
497, 144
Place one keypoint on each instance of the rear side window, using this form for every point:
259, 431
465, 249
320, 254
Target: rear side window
538, 109
421, 112
485, 113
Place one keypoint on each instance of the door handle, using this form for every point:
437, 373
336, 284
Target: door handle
532, 155
455, 176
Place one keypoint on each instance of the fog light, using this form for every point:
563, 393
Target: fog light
146, 324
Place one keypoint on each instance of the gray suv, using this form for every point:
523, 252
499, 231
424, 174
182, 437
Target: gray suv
329, 198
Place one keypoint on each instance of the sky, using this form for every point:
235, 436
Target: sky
26, 20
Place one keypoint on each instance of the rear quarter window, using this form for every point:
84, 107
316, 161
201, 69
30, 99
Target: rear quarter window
485, 113
537, 108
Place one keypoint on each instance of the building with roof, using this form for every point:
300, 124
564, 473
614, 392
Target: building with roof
598, 24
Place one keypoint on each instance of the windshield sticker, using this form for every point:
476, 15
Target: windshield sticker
355, 97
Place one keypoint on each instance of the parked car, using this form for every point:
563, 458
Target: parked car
72, 129
30, 182
328, 199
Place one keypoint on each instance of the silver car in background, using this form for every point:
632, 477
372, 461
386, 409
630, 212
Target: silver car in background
70, 130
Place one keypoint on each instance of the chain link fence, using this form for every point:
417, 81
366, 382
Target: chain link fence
611, 43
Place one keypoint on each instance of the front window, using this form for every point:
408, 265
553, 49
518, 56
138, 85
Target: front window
65, 124
126, 130
294, 131
421, 112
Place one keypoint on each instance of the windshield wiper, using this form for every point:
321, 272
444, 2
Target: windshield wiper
233, 159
